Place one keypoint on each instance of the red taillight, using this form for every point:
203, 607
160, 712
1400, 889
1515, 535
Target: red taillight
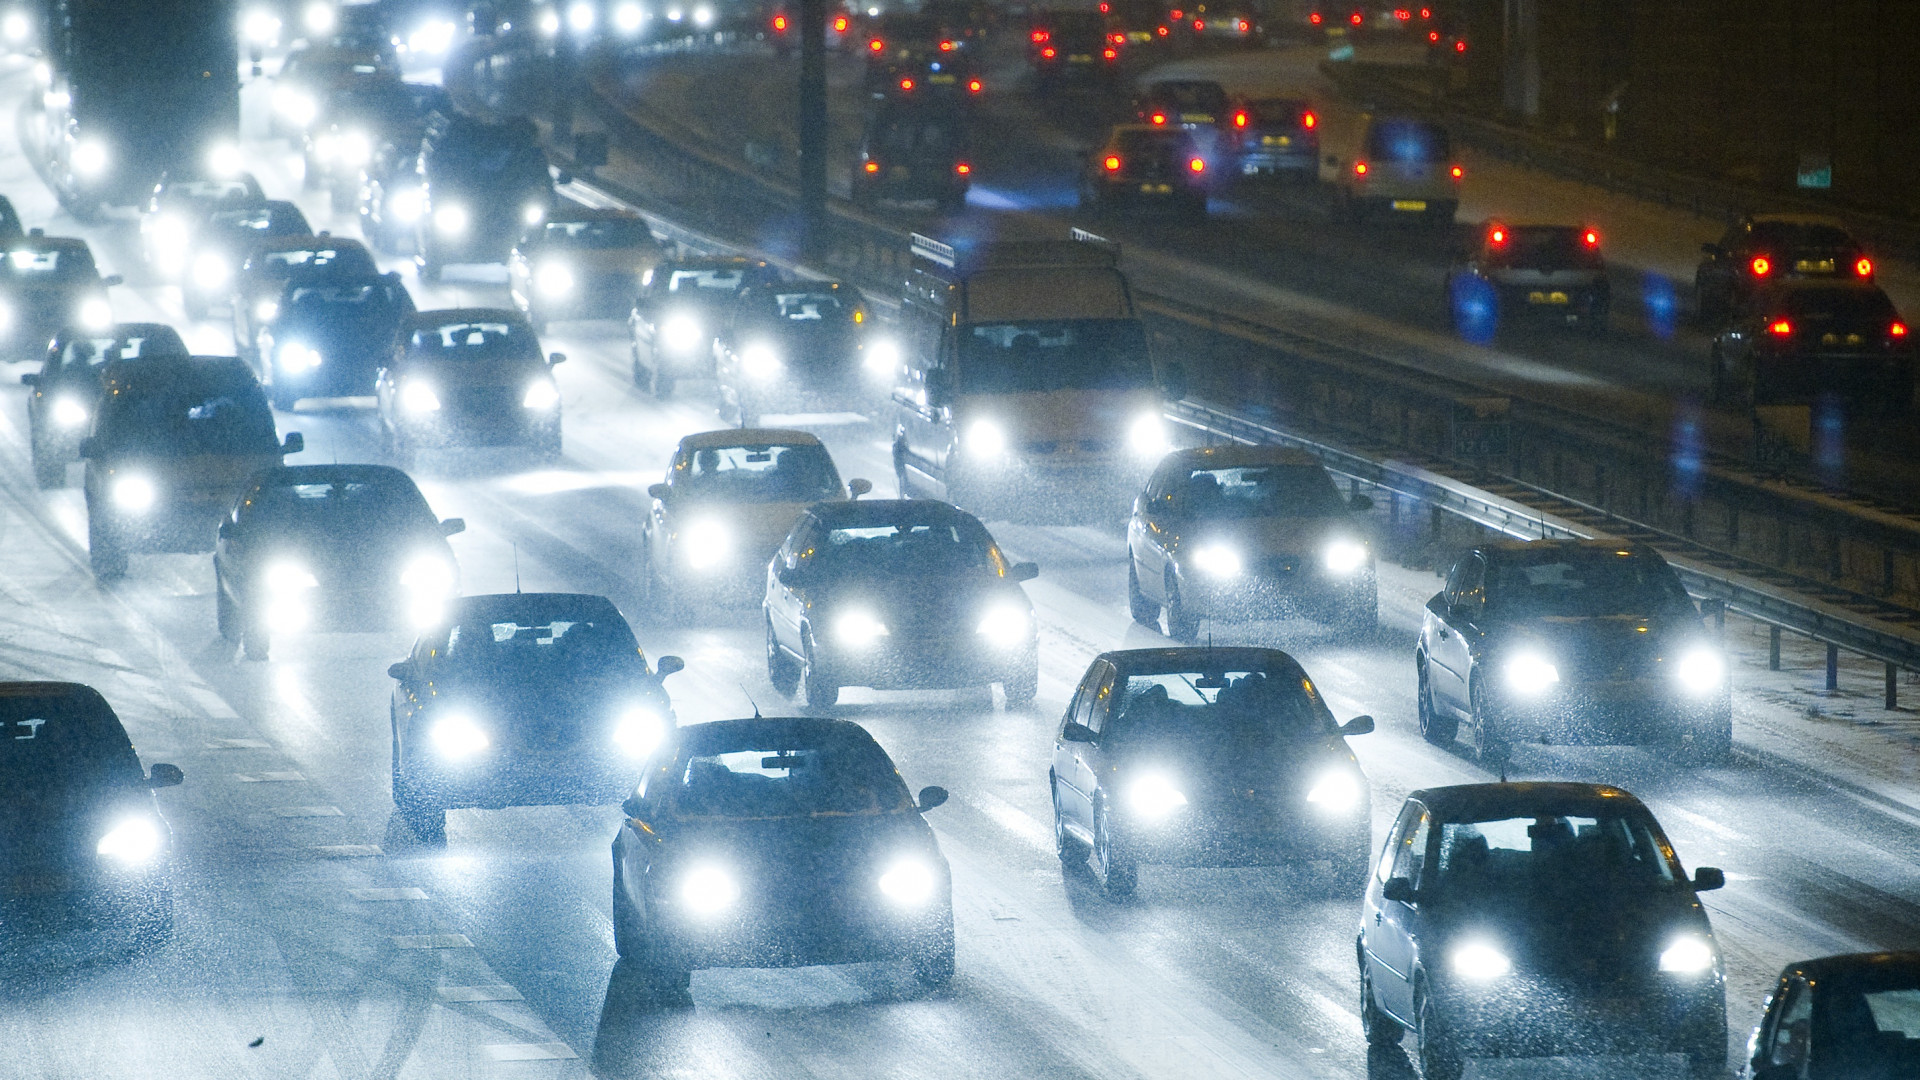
840, 24
1426, 13
1402, 14
946, 46
1162, 31
1111, 53
1456, 172
1863, 266
1459, 46
1497, 236
1240, 119
1116, 39
1780, 328
1176, 14
876, 45
1157, 118
1049, 53
1359, 168
963, 169
1433, 37
1309, 121
1314, 18
1761, 266
1105, 7
1112, 163
1241, 26
873, 166
1199, 25
906, 84
1040, 36
1590, 238
1356, 18
973, 86
1198, 165
779, 24
1898, 329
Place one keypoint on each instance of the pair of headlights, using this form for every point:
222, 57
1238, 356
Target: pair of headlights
419, 398
1154, 797
1146, 436
1340, 558
426, 582
1699, 670
710, 890
1002, 626
637, 732
1482, 961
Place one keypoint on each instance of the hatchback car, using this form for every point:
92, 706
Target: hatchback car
1521, 271
1143, 167
66, 390
1851, 1017
470, 377
330, 547
908, 593
1538, 920
46, 283
681, 306
1206, 757
1228, 532
330, 336
792, 347
85, 854
1277, 137
523, 699
581, 263
222, 243
1763, 249
1796, 342
273, 263
778, 843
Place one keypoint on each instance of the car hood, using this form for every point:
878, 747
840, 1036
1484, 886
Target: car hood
1582, 925
1253, 538
916, 605
1604, 646
1061, 421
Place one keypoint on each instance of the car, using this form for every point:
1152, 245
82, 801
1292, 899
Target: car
1228, 532
1573, 642
467, 377
1198, 106
330, 336
46, 283
1205, 757
1396, 165
1072, 47
482, 185
364, 127
1143, 166
174, 441
728, 502
179, 207
1277, 137
308, 74
1537, 920
794, 347
1516, 271
330, 547
1840, 1018
66, 390
1137, 22
1801, 341
897, 594
681, 305
257, 288
391, 198
1762, 249
915, 149
778, 842
88, 854
581, 263
523, 699
222, 243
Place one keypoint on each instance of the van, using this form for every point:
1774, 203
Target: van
1395, 166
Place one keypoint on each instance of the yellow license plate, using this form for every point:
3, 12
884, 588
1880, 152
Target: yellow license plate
1080, 58
1156, 189
1414, 205
1813, 266
1276, 140
1546, 298
1196, 118
1836, 339
943, 80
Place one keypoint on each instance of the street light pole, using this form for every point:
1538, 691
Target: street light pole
813, 125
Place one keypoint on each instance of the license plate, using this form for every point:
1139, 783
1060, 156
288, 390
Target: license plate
1080, 58
1276, 140
943, 80
1196, 118
1813, 266
1414, 205
1838, 339
1156, 189
1546, 297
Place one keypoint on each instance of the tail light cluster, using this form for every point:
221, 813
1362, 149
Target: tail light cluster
1309, 121
962, 168
1110, 53
1360, 168
840, 24
946, 46
876, 45
1049, 52
906, 85
1863, 267
1197, 165
779, 24
1780, 328
873, 166
1898, 329
1590, 238
1240, 118
1761, 266
1040, 37
1112, 163
1157, 119
1456, 172
974, 86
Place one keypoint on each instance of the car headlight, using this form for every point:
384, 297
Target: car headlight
458, 737
532, 214
549, 23
541, 395
320, 17
407, 205
1153, 797
224, 159
169, 235
428, 580
703, 16
285, 608
709, 890
986, 439
211, 271
353, 150
1700, 670
1689, 955
1147, 437
16, 26
639, 731
450, 220
759, 361
554, 279
135, 840
134, 494
682, 332
628, 17
1344, 556
89, 158
1530, 673
95, 313
1480, 962
261, 27
1217, 560
908, 882
296, 107
858, 629
295, 357
289, 577
418, 397
266, 311
68, 413
706, 543
1004, 625
580, 17
882, 358
1335, 791
434, 38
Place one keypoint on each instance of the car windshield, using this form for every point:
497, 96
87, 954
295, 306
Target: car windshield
1067, 354
765, 778
1259, 491
1869, 1020
350, 260
472, 341
190, 416
599, 235
332, 298
210, 191
807, 307
93, 352
260, 221
344, 506
1225, 713
57, 745
1545, 247
50, 264
1525, 854
1582, 582
762, 472
1816, 304
1409, 141
724, 281
540, 646
887, 550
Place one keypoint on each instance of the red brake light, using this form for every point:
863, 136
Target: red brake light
873, 166
906, 84
1761, 266
1158, 118
1590, 238
1116, 39
1356, 18
946, 46
876, 45
1314, 18
1402, 14
1111, 53
1112, 163
1242, 26
1456, 172
973, 86
780, 24
1497, 236
840, 24
1240, 119
1199, 24
1898, 329
1309, 121
1780, 328
1863, 266
1176, 14
1460, 46
1105, 7
1426, 13
1433, 37
1049, 52
1198, 165
1040, 36
1359, 168
1162, 31
963, 168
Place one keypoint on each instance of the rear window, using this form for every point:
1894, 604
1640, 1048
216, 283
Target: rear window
261, 221
284, 262
902, 136
1278, 112
95, 351
1409, 141
1190, 97
711, 280
1159, 145
599, 235
1798, 235
211, 190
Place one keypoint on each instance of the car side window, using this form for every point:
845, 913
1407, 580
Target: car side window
1411, 858
1792, 1026
1466, 582
1100, 699
1409, 814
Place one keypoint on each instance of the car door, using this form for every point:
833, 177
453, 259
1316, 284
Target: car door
1075, 761
786, 591
1149, 533
1388, 937
1446, 646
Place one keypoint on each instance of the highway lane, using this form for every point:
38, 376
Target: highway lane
1209, 973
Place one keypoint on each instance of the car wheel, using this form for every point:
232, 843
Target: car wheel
1024, 685
1439, 1058
226, 616
1144, 611
1182, 625
1069, 847
932, 955
48, 471
781, 670
822, 691
1436, 729
1112, 863
1379, 1028
104, 551
1495, 749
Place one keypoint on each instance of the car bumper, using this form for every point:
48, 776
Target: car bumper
1625, 713
1536, 1018
445, 429
341, 375
518, 777
1294, 589
337, 610
1219, 838
1805, 377
805, 934
1151, 192
928, 664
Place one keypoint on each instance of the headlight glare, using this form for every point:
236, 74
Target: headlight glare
908, 882
457, 737
289, 577
541, 395
1217, 560
1689, 955
295, 357
707, 543
450, 220
1480, 962
1336, 791
1153, 797
135, 840
682, 332
407, 204
1004, 625
95, 313
89, 158
418, 397
134, 494
638, 731
1148, 436
986, 439
1530, 673
1344, 556
709, 890
532, 214
211, 271
68, 413
759, 361
554, 279
1700, 670
883, 356
858, 629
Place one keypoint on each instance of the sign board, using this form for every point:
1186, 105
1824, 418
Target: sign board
1816, 171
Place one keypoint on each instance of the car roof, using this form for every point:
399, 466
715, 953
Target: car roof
1524, 799
1795, 219
1562, 542
1835, 967
1234, 454
817, 729
31, 688
496, 605
706, 440
281, 475
449, 316
1200, 657
858, 513
119, 329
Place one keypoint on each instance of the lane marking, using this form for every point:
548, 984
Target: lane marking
501, 992
530, 1051
348, 851
307, 811
408, 893
1013, 819
239, 744
431, 941
287, 777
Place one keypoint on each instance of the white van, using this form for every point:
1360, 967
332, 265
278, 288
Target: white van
1393, 166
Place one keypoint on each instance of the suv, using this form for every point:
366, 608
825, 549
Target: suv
1764, 249
483, 185
1400, 165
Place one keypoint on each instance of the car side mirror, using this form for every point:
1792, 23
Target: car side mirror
87, 447
400, 670
859, 486
667, 665
1399, 890
1359, 725
634, 806
1360, 503
225, 531
164, 775
113, 279
658, 491
1023, 571
453, 526
1173, 381
1709, 878
930, 797
556, 358
1076, 733
30, 379
294, 443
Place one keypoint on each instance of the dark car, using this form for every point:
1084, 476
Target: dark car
172, 219
222, 243
793, 347
1538, 920
46, 283
681, 306
1853, 1017
1573, 642
355, 117
581, 263
330, 547
1247, 532
913, 150
1518, 271
67, 388
1072, 47
174, 442
1200, 106
85, 854
1763, 249
483, 185
908, 593
1277, 137
330, 336
523, 699
470, 377
310, 72
273, 263
1796, 342
1205, 757
1146, 166
778, 843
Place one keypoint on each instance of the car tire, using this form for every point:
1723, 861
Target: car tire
1436, 729
1182, 625
1113, 865
1495, 749
822, 692
932, 954
1378, 1028
1439, 1057
1144, 611
105, 554
1024, 685
48, 471
782, 672
1067, 846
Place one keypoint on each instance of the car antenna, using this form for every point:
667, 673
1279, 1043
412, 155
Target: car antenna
516, 568
750, 701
